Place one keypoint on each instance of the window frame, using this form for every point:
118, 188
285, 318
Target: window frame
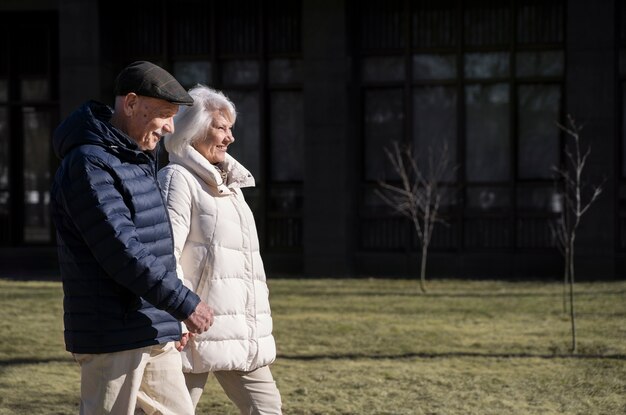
463, 220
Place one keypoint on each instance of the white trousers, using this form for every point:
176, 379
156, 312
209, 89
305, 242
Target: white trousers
254, 393
146, 380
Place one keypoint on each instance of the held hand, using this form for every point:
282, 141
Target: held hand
201, 319
180, 345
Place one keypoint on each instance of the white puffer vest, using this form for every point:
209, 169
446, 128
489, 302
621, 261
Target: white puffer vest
218, 257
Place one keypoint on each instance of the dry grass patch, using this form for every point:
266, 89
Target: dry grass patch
369, 346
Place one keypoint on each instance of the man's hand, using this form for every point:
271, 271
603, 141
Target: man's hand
201, 319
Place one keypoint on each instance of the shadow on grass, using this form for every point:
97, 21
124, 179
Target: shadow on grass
349, 356
417, 294
34, 361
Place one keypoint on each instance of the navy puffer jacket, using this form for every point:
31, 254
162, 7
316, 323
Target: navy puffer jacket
114, 239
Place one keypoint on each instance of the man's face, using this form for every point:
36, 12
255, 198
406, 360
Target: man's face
151, 118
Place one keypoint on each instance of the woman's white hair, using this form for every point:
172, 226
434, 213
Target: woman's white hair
191, 123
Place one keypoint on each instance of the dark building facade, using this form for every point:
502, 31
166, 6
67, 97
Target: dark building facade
322, 87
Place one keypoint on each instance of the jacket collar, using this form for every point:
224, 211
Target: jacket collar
235, 175
90, 125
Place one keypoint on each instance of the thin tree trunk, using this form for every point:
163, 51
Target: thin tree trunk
566, 277
571, 296
423, 267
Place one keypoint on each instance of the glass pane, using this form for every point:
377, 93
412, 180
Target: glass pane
285, 71
434, 124
488, 137
238, 27
384, 114
435, 24
538, 134
4, 175
549, 63
287, 136
254, 201
488, 198
37, 132
428, 67
540, 22
487, 23
383, 69
5, 218
4, 90
187, 32
34, 89
372, 202
243, 72
283, 26
247, 146
486, 65
381, 25
192, 73
4, 149
286, 199
488, 232
4, 211
541, 199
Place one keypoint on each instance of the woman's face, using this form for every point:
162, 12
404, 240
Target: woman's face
218, 137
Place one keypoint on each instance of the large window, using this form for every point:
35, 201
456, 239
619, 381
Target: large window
486, 79
251, 50
28, 114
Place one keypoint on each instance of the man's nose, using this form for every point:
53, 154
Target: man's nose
168, 127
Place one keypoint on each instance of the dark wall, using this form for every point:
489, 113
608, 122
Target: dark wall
332, 136
329, 152
591, 98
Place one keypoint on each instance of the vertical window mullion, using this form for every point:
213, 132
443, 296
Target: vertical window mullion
461, 126
513, 133
264, 120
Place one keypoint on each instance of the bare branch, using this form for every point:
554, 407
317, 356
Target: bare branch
575, 205
418, 195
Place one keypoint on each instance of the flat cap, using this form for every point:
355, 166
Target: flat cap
147, 79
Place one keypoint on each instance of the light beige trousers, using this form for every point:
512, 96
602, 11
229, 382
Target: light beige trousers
254, 393
146, 380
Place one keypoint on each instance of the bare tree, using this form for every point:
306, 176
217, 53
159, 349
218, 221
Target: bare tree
574, 205
560, 234
418, 195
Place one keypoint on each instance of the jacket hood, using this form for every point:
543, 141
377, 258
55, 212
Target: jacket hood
89, 124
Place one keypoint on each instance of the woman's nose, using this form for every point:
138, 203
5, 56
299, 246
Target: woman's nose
230, 137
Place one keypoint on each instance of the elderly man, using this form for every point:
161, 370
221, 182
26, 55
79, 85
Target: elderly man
123, 301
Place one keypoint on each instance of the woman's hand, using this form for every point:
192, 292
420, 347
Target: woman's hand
180, 345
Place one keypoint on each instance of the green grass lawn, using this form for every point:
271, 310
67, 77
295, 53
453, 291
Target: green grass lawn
371, 346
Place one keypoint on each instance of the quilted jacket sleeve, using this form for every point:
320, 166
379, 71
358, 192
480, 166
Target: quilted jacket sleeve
177, 195
102, 216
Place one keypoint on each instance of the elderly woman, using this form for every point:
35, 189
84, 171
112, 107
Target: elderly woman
217, 251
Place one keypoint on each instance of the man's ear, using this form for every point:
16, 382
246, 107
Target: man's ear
130, 103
